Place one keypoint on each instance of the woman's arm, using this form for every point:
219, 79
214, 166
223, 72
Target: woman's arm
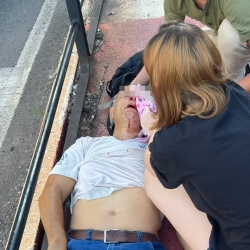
142, 78
176, 205
147, 158
147, 120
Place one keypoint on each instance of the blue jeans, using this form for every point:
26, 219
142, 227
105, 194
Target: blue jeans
87, 244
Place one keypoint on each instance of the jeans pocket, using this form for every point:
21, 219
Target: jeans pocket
71, 244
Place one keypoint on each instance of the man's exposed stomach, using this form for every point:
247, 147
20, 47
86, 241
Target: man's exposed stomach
126, 209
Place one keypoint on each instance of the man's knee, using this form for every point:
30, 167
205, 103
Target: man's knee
211, 35
228, 37
235, 53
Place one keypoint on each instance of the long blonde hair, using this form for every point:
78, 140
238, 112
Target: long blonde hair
186, 74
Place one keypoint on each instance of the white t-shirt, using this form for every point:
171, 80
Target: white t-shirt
102, 165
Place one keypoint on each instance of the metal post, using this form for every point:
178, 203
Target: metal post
75, 14
84, 65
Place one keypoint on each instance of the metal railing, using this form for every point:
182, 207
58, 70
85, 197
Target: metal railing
77, 34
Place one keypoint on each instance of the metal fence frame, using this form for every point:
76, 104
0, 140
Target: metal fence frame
78, 35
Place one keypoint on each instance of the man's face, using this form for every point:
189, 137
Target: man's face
125, 113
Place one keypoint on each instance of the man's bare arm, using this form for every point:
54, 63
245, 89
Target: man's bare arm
56, 190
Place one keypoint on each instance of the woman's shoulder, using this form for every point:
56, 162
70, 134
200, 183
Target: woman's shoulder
193, 126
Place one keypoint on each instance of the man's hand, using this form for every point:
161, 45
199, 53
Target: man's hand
56, 190
58, 245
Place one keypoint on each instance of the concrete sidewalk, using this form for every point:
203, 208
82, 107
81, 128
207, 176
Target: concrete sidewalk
126, 26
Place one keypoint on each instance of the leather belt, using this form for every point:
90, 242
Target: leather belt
112, 236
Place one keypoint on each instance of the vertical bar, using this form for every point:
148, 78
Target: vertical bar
94, 24
75, 14
75, 116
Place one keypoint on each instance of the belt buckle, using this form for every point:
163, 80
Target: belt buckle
105, 236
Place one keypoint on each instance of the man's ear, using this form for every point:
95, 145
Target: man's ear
111, 113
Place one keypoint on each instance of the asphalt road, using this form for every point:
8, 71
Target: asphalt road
16, 21
32, 37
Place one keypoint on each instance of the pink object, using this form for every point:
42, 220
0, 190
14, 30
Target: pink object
141, 104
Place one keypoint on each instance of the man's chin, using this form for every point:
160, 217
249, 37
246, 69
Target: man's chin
132, 121
132, 114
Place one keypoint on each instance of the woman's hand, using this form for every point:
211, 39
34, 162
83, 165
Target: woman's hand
147, 121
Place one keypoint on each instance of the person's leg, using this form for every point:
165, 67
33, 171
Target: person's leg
235, 54
175, 204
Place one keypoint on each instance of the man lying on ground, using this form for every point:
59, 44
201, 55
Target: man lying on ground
105, 178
